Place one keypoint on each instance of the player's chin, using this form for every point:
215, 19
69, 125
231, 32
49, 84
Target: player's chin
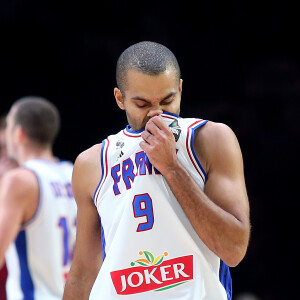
138, 127
143, 125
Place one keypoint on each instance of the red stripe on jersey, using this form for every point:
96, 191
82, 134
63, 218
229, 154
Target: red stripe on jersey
135, 136
172, 118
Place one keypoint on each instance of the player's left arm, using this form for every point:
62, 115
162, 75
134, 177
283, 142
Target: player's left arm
220, 214
217, 146
18, 201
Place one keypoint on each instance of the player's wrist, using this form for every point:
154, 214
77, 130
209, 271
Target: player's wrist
173, 171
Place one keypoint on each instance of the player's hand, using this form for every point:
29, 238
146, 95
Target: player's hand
159, 144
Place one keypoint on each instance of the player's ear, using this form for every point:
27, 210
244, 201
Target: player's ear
119, 98
180, 85
20, 134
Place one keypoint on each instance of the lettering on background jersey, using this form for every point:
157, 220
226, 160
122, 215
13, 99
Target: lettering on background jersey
62, 189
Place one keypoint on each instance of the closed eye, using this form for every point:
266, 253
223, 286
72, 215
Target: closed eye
141, 105
169, 101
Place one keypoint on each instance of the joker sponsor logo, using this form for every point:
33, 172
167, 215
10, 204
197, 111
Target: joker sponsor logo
153, 274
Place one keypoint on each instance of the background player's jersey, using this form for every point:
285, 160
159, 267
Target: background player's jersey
40, 258
150, 248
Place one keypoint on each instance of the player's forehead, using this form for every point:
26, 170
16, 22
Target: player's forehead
133, 75
139, 82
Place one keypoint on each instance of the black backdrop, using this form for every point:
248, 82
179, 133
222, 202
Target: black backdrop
240, 66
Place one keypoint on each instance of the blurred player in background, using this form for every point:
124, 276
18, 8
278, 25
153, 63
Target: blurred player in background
5, 164
37, 208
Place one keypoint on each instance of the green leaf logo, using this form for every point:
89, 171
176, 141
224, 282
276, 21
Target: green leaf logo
149, 259
149, 256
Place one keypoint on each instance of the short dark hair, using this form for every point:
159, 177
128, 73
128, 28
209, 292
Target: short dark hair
39, 118
147, 57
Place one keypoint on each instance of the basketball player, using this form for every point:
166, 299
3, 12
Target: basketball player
37, 207
169, 191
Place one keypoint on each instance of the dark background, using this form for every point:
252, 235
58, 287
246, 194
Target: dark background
240, 63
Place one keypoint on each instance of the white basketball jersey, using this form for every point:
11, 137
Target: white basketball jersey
150, 248
39, 260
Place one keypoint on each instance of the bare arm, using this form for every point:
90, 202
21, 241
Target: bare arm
220, 214
88, 252
18, 203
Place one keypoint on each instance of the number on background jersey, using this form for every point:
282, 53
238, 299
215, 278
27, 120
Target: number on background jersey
67, 254
142, 207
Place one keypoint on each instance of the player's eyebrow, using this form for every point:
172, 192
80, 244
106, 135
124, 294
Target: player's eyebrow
148, 101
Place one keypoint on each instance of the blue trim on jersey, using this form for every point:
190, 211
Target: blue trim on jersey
26, 280
225, 279
103, 243
193, 150
132, 131
102, 167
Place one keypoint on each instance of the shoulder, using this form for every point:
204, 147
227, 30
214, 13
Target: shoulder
19, 191
87, 169
214, 142
89, 158
19, 181
215, 132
